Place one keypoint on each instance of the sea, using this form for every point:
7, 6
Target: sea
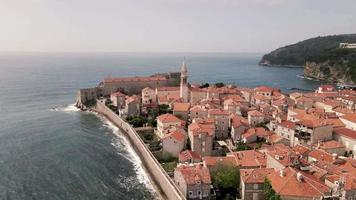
51, 150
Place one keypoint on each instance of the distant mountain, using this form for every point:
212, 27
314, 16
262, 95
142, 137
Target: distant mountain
298, 54
321, 57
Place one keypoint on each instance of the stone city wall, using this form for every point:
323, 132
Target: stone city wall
156, 172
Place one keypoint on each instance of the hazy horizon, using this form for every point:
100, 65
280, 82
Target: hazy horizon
174, 26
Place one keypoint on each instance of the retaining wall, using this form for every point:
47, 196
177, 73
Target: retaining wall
157, 173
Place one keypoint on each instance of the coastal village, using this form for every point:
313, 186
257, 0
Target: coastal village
218, 141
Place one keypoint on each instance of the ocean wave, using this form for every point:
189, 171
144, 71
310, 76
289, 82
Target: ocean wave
121, 143
66, 108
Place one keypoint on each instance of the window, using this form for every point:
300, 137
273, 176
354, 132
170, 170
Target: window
190, 193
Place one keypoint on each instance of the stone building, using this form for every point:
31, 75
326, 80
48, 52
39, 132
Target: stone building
251, 183
193, 181
238, 126
132, 106
221, 118
347, 137
118, 99
127, 85
166, 121
181, 110
312, 131
201, 135
174, 142
148, 96
255, 118
198, 111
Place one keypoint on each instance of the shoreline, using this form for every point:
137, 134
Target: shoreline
162, 183
155, 190
147, 180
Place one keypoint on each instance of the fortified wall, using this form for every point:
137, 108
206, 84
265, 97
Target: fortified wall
127, 85
157, 173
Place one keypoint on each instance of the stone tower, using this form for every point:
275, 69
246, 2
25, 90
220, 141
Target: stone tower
184, 89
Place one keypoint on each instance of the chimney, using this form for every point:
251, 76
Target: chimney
334, 156
299, 177
282, 173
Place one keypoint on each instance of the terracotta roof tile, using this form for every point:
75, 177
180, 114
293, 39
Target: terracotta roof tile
181, 107
255, 113
331, 144
186, 155
118, 94
346, 132
256, 176
176, 135
250, 159
168, 88
195, 174
135, 79
321, 155
350, 117
289, 185
167, 118
225, 160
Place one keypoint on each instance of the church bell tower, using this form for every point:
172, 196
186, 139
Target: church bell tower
184, 90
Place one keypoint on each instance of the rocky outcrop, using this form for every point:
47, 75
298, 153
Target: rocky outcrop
332, 72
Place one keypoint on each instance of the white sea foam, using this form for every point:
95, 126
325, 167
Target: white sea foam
121, 144
66, 108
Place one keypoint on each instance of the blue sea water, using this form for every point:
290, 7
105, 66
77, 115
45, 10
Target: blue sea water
49, 150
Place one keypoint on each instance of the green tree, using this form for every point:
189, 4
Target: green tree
219, 84
242, 147
136, 121
204, 85
163, 109
268, 191
226, 177
152, 122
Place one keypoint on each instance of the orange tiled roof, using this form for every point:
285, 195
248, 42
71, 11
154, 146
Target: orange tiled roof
264, 89
135, 79
166, 88
181, 107
255, 113
346, 132
176, 135
283, 154
224, 160
118, 94
327, 88
342, 110
195, 174
331, 144
300, 149
256, 176
250, 158
350, 117
197, 128
287, 124
238, 121
167, 118
217, 112
198, 108
321, 155
186, 155
288, 185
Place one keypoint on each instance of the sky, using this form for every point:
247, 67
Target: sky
168, 25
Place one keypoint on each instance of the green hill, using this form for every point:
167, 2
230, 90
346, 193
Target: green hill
299, 53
